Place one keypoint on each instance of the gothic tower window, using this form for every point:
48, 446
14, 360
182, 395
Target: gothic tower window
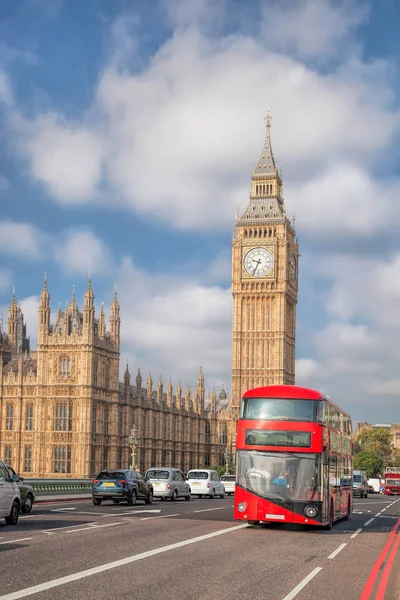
94, 419
28, 459
106, 419
8, 454
65, 366
10, 417
107, 374
95, 367
29, 417
62, 459
63, 418
223, 434
208, 433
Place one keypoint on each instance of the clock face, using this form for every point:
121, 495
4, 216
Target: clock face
292, 267
258, 262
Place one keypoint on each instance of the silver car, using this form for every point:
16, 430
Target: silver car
168, 483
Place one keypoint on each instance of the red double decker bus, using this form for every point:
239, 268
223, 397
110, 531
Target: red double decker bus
294, 458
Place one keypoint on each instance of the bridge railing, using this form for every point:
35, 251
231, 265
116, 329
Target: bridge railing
48, 487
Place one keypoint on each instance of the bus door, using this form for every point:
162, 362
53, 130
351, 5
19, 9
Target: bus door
325, 488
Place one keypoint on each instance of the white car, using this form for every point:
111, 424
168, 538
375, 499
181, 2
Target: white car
10, 500
205, 482
229, 482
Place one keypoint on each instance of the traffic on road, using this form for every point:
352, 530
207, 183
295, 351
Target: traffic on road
180, 549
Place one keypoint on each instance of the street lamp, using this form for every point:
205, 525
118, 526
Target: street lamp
133, 440
227, 457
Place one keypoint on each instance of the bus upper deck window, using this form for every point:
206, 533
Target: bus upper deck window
321, 416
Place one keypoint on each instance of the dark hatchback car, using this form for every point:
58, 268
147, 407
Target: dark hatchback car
121, 485
27, 492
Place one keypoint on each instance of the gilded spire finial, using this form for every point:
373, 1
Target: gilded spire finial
268, 118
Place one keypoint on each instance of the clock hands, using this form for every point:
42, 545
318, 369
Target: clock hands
257, 265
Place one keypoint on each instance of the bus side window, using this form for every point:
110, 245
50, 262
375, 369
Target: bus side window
322, 416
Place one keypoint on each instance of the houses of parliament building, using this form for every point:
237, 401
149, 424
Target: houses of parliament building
64, 411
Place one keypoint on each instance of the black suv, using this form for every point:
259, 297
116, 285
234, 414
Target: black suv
121, 485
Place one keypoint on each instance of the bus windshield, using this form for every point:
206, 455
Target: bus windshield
392, 481
280, 476
278, 409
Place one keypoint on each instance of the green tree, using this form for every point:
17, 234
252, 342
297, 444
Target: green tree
377, 439
395, 458
368, 461
220, 470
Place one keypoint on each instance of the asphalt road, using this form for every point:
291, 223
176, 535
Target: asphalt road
195, 550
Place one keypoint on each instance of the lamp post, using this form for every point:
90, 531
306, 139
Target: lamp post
133, 440
227, 457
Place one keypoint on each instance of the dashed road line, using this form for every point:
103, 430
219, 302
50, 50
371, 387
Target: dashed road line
355, 534
208, 509
301, 585
339, 549
91, 527
159, 517
368, 522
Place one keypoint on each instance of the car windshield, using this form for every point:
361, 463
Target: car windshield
197, 475
357, 478
111, 475
156, 474
278, 409
228, 478
280, 476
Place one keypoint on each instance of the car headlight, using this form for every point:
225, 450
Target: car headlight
241, 506
311, 511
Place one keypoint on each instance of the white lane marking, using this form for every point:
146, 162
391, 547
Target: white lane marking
62, 509
370, 521
82, 512
358, 512
131, 512
356, 533
336, 552
299, 587
93, 527
15, 541
31, 517
49, 531
160, 517
208, 509
364, 503
112, 565
378, 514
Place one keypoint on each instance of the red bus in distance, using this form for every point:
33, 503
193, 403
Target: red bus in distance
294, 458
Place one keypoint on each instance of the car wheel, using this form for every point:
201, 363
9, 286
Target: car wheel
187, 497
12, 518
27, 505
212, 495
222, 495
174, 496
96, 501
199, 495
132, 498
163, 498
149, 499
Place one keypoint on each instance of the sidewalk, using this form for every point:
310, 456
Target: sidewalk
62, 498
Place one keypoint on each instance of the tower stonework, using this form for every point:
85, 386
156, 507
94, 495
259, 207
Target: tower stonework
265, 257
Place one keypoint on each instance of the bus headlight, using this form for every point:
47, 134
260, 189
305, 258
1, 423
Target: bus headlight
311, 511
242, 506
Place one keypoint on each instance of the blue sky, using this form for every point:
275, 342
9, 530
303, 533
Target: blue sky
128, 133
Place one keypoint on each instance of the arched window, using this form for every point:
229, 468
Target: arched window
208, 433
107, 374
223, 434
65, 366
256, 190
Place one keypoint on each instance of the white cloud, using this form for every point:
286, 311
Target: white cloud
81, 252
312, 28
175, 141
21, 239
65, 157
175, 324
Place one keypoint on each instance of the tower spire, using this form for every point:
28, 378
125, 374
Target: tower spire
266, 165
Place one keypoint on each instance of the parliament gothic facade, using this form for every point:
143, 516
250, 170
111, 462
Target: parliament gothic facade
63, 410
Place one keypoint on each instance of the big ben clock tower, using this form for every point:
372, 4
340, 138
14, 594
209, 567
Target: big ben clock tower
264, 284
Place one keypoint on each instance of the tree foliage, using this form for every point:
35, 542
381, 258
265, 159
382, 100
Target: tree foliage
395, 458
368, 461
378, 440
220, 470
